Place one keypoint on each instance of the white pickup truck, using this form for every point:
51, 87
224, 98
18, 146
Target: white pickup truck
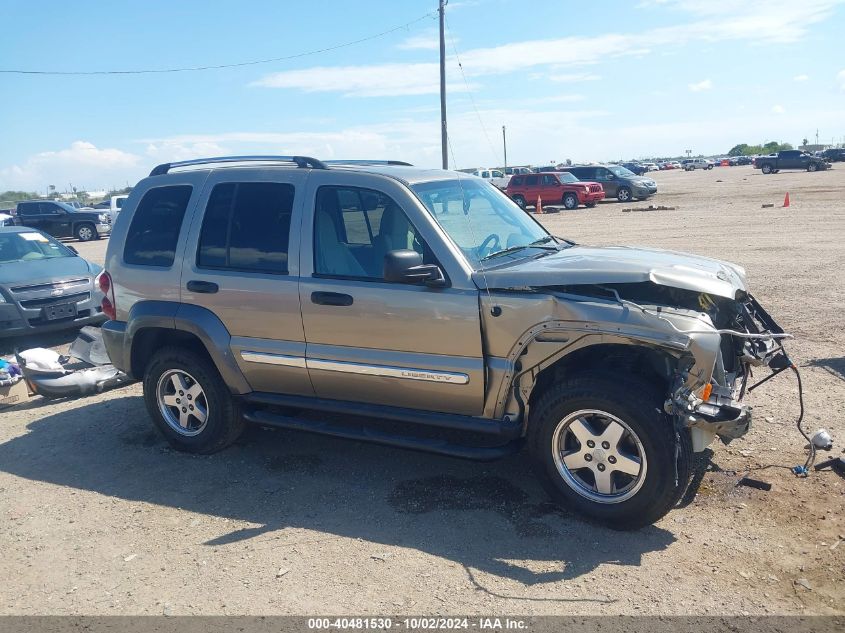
494, 177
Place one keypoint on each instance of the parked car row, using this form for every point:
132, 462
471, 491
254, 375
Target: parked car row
580, 185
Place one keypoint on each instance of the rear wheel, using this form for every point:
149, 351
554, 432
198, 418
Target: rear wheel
520, 201
189, 402
86, 232
606, 449
624, 194
570, 201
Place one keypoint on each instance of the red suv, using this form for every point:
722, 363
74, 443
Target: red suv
554, 188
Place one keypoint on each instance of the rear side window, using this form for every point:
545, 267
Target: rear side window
247, 227
517, 181
28, 208
532, 180
152, 236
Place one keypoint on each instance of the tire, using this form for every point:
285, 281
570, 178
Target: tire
812, 167
649, 446
174, 367
624, 194
570, 201
709, 166
520, 202
86, 232
766, 168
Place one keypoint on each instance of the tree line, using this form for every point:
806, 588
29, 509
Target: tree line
744, 149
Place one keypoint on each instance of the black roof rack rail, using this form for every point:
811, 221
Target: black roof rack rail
367, 162
299, 161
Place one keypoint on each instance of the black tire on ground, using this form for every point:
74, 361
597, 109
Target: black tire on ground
639, 405
766, 168
623, 194
570, 201
812, 167
224, 422
520, 201
86, 232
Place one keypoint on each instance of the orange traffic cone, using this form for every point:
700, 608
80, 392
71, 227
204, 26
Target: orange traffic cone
786, 200
539, 208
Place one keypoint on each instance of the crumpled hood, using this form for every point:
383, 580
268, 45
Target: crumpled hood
618, 265
45, 270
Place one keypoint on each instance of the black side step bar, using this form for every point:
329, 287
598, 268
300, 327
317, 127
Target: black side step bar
503, 429
362, 433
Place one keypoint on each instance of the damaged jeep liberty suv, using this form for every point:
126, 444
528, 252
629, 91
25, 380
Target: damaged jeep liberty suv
423, 309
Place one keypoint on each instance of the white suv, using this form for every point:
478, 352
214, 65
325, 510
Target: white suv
696, 163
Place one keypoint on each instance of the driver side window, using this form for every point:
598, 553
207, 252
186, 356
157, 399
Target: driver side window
355, 228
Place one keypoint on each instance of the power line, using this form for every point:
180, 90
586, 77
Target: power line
148, 71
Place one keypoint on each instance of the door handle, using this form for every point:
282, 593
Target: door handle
205, 287
331, 299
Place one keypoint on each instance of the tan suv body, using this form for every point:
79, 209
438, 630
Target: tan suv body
246, 289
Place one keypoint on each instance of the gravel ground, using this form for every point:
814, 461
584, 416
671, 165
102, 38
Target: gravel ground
99, 516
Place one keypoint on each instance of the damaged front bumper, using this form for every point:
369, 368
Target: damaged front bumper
714, 408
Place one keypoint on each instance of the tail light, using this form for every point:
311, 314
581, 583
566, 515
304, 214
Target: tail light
104, 282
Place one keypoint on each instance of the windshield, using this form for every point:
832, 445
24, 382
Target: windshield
565, 176
620, 171
29, 246
481, 220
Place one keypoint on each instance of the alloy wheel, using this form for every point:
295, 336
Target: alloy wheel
182, 402
599, 456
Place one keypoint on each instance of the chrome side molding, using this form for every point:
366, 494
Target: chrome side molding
386, 371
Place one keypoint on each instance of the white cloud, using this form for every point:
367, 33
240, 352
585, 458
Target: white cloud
754, 21
363, 81
840, 79
568, 77
800, 78
427, 41
700, 86
778, 109
82, 164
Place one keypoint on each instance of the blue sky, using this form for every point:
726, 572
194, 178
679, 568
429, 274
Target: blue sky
578, 80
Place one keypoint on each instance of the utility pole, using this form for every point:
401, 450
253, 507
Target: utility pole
443, 138
505, 144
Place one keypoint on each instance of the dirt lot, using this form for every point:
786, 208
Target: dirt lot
99, 516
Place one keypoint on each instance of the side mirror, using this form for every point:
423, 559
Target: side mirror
406, 267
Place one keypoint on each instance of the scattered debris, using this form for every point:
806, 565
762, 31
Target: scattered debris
768, 206
754, 483
130, 557
282, 571
650, 207
803, 582
383, 556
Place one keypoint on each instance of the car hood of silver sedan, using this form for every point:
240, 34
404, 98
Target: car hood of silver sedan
579, 265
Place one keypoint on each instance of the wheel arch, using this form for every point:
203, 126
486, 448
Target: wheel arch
156, 324
539, 361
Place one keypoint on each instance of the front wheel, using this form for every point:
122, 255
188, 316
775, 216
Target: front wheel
766, 169
86, 232
624, 194
520, 202
570, 201
812, 167
189, 402
606, 449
